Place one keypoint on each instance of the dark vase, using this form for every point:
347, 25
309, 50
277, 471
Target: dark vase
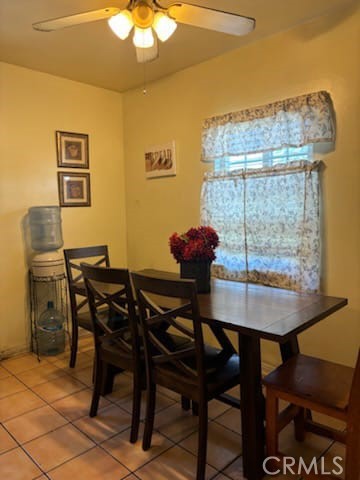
200, 271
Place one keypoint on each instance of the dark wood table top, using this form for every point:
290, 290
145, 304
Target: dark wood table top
257, 310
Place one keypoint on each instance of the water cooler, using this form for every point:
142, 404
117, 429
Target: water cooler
48, 292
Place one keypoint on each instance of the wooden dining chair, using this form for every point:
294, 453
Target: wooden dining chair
321, 386
194, 370
80, 314
110, 296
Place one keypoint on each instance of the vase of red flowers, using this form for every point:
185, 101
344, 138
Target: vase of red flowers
195, 250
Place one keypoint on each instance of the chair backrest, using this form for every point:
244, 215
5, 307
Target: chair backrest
161, 303
110, 297
95, 255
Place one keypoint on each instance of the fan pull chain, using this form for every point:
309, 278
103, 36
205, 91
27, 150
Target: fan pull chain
144, 79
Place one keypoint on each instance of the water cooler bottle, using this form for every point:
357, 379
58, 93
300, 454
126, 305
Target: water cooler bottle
47, 281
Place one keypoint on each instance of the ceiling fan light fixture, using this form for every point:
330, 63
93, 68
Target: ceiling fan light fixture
142, 14
164, 26
143, 37
121, 24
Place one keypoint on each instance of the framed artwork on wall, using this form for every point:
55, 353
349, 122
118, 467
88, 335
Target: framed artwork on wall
72, 149
160, 160
74, 189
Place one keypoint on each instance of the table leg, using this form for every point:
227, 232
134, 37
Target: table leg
289, 348
252, 407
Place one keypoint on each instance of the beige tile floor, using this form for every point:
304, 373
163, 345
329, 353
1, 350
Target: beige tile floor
45, 430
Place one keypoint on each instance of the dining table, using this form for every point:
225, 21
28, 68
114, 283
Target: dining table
257, 312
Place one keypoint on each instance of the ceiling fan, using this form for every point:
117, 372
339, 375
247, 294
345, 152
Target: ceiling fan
148, 16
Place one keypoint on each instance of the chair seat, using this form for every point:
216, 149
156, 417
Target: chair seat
218, 379
228, 374
112, 353
111, 350
319, 381
114, 322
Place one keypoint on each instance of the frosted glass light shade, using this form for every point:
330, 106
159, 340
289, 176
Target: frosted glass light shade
164, 26
121, 24
143, 37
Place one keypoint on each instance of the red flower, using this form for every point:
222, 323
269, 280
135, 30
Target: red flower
197, 244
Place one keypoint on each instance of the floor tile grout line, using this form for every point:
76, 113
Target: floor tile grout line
227, 465
42, 383
153, 458
95, 444
47, 402
72, 458
99, 446
158, 411
115, 435
68, 421
230, 429
24, 413
17, 357
62, 415
34, 410
156, 456
24, 451
71, 422
47, 381
178, 444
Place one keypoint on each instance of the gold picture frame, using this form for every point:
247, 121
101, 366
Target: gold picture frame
72, 149
74, 189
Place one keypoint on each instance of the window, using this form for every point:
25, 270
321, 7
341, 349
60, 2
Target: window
263, 195
263, 159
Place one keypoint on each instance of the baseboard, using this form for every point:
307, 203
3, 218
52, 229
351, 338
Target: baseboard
12, 352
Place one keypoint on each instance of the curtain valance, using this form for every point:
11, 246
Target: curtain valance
293, 122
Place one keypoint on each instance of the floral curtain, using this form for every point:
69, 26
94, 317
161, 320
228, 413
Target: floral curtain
288, 123
268, 224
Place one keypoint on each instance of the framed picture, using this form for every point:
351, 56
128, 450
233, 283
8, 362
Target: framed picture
160, 160
72, 149
74, 189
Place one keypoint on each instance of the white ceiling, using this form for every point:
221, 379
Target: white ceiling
92, 54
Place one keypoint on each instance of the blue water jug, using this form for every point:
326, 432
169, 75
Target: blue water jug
45, 228
50, 331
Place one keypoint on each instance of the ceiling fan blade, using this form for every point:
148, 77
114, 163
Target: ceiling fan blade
211, 19
71, 20
145, 55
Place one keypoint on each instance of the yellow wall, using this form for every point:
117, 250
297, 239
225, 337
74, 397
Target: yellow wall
322, 55
32, 106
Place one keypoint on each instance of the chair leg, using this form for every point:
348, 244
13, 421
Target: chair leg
108, 380
272, 441
202, 441
299, 425
99, 377
185, 403
74, 343
135, 420
150, 415
195, 409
